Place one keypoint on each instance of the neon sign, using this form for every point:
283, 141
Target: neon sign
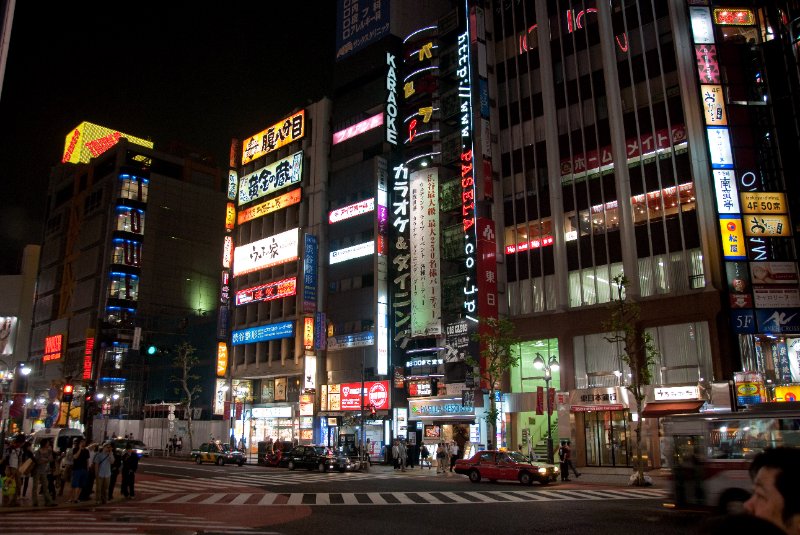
267, 292
357, 129
467, 179
276, 136
222, 359
227, 252
574, 23
88, 349
349, 253
391, 99
52, 347
87, 141
263, 333
267, 207
270, 178
267, 252
351, 210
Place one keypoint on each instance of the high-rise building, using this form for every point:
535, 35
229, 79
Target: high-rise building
131, 239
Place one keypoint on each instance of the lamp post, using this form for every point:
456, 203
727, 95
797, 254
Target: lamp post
7, 383
548, 367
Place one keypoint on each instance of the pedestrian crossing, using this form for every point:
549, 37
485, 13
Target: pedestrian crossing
114, 520
251, 479
402, 498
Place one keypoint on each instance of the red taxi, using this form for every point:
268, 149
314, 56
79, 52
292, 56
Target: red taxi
507, 465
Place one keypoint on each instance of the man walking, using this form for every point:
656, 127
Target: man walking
102, 465
403, 456
130, 463
80, 469
42, 461
565, 454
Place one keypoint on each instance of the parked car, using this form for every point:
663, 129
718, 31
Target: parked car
121, 444
220, 454
508, 465
321, 458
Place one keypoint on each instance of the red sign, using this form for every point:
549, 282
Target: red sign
267, 292
551, 400
88, 349
707, 65
375, 393
52, 347
539, 400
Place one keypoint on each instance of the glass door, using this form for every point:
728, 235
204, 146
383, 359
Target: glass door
607, 438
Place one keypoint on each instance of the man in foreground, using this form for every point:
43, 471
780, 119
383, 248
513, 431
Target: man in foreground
776, 493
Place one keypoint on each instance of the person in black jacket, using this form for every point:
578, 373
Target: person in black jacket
130, 462
116, 466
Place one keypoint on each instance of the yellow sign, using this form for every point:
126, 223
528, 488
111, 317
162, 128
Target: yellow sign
267, 207
222, 359
732, 236
308, 333
230, 216
767, 225
87, 141
713, 105
787, 393
276, 136
763, 202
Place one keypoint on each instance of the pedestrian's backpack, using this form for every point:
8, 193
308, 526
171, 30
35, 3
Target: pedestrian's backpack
425, 451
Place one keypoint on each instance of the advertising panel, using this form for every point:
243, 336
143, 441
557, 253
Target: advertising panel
713, 105
276, 136
749, 388
732, 236
266, 252
767, 225
357, 129
310, 275
487, 268
376, 393
726, 190
350, 253
719, 145
8, 334
222, 359
351, 210
400, 266
426, 305
738, 276
359, 24
267, 207
440, 409
233, 184
230, 216
702, 26
776, 297
53, 345
267, 292
320, 336
763, 202
457, 341
743, 321
707, 64
778, 320
271, 178
88, 354
87, 141
772, 273
343, 341
263, 333
308, 333
310, 377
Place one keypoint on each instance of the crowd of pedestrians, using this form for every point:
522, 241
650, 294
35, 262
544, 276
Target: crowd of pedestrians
404, 455
78, 473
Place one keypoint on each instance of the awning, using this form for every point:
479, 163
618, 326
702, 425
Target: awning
656, 409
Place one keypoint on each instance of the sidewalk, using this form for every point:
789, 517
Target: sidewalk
61, 501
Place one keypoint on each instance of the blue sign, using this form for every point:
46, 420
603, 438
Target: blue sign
743, 321
310, 275
359, 23
778, 320
263, 333
320, 331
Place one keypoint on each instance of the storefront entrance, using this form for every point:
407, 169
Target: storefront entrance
607, 438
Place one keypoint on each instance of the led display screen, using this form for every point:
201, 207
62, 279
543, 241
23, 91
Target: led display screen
263, 333
87, 141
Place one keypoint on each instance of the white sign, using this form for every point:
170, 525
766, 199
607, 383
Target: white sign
727, 192
270, 178
272, 412
776, 297
702, 26
426, 302
668, 393
349, 253
310, 377
266, 252
351, 210
719, 146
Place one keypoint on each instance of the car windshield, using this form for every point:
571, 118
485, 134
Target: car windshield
137, 444
514, 456
320, 450
226, 448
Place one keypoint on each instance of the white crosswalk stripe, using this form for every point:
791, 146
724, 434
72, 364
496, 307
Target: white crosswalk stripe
407, 498
251, 479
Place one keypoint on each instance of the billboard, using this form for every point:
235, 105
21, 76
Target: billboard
426, 288
375, 393
87, 141
276, 136
267, 207
352, 252
266, 252
8, 333
310, 274
267, 292
270, 178
359, 24
357, 129
53, 347
351, 210
263, 333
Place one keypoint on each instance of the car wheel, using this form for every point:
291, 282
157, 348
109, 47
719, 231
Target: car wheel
220, 461
291, 465
475, 476
525, 478
198, 460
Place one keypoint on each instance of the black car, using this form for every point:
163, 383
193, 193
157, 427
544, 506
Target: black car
321, 458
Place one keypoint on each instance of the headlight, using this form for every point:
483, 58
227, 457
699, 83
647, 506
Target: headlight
555, 469
542, 470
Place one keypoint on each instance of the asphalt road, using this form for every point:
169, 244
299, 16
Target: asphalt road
177, 497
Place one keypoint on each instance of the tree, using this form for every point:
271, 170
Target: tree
496, 339
638, 353
188, 387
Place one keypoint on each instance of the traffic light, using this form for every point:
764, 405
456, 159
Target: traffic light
152, 350
66, 393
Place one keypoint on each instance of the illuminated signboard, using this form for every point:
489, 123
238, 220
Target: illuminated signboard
351, 210
726, 190
357, 129
382, 275
532, 244
426, 301
401, 259
222, 359
713, 105
87, 141
263, 333
310, 367
349, 253
702, 27
8, 326
267, 252
267, 292
375, 393
763, 202
707, 63
224, 286
227, 252
439, 409
270, 178
732, 235
391, 99
52, 347
276, 136
308, 333
360, 24
233, 184
230, 216
310, 274
719, 145
767, 225
734, 17
343, 341
267, 207
88, 352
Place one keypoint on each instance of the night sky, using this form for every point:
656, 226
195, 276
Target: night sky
170, 71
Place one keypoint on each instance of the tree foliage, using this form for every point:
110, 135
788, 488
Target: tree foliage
496, 338
188, 386
639, 353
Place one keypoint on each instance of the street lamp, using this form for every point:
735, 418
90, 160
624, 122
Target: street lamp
548, 367
7, 383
